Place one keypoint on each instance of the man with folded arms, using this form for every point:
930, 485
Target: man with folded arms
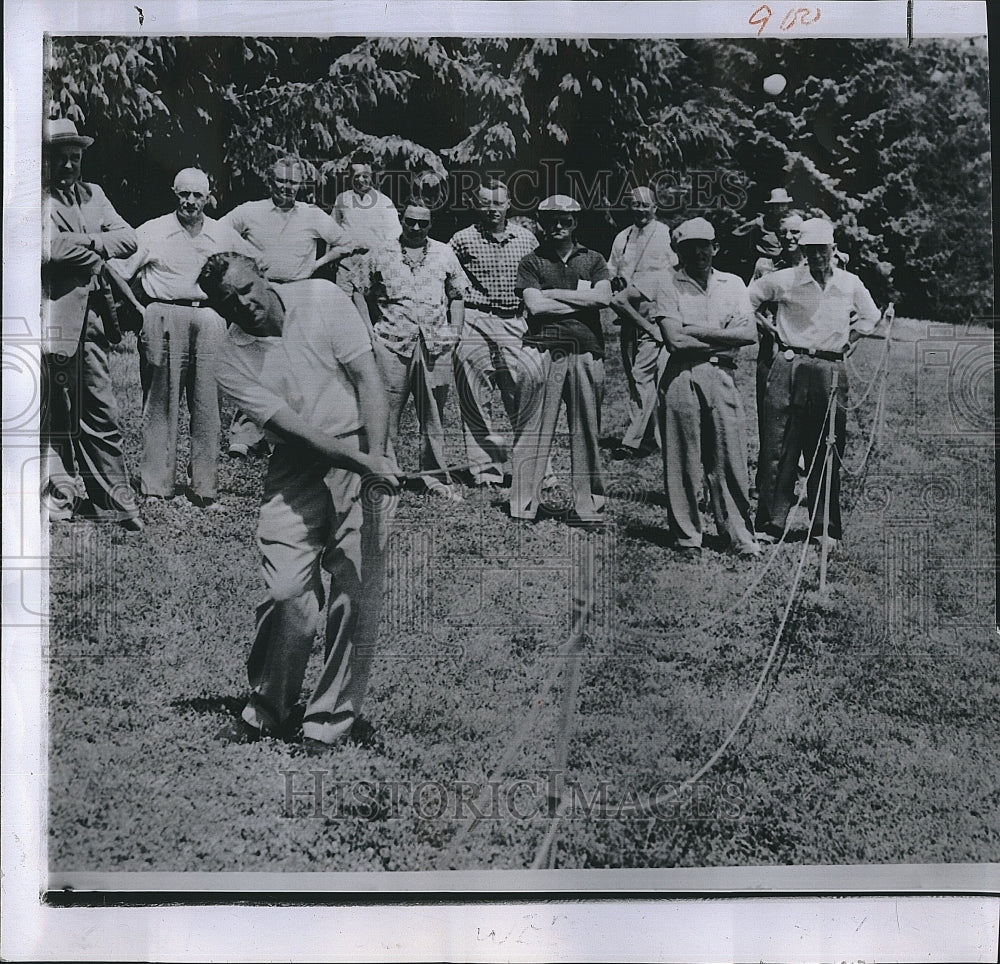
298, 359
83, 468
287, 233
180, 338
705, 317
564, 286
820, 312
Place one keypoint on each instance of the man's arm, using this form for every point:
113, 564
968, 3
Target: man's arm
116, 238
363, 372
625, 305
538, 304
342, 453
599, 296
72, 249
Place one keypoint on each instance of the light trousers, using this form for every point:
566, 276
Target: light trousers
180, 346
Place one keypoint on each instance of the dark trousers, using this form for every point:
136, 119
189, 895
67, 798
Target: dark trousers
795, 404
83, 469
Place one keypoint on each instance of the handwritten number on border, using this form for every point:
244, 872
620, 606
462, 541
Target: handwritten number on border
793, 16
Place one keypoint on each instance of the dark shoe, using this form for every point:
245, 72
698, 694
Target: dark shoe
132, 525
626, 454
313, 747
364, 734
239, 731
204, 502
689, 552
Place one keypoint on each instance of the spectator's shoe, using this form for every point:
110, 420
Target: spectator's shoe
313, 747
364, 734
133, 524
239, 731
689, 552
768, 535
750, 551
449, 492
625, 453
237, 450
205, 502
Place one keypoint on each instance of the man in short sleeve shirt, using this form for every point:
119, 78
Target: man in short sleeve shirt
417, 290
820, 311
287, 234
490, 353
180, 338
298, 359
705, 318
564, 286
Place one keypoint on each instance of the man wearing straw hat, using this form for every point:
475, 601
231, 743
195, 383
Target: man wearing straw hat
83, 467
820, 311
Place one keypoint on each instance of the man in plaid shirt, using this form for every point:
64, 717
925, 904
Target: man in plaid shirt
415, 289
490, 353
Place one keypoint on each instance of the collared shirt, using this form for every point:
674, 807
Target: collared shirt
369, 219
491, 263
579, 332
286, 239
809, 316
304, 366
639, 252
169, 259
412, 288
722, 304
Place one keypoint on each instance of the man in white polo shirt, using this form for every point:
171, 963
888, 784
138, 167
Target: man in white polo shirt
298, 359
180, 338
820, 311
286, 232
705, 318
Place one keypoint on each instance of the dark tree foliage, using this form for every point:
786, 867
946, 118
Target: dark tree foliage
891, 141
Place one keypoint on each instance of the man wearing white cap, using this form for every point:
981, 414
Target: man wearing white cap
564, 287
640, 257
821, 310
285, 231
705, 318
180, 338
83, 469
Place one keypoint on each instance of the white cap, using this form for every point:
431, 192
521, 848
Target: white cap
192, 179
816, 231
695, 229
559, 202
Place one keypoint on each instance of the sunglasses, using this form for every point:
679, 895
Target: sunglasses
417, 222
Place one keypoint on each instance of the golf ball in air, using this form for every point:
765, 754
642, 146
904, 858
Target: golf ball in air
774, 84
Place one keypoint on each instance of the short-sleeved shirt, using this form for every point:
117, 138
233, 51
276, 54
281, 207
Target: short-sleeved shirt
491, 263
286, 239
640, 252
304, 367
579, 332
369, 219
169, 260
722, 304
411, 288
809, 316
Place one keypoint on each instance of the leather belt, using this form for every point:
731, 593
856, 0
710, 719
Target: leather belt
722, 361
788, 351
499, 312
183, 302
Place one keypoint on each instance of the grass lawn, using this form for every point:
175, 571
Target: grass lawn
873, 740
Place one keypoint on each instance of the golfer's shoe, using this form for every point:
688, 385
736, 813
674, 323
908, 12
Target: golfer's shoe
237, 450
828, 542
239, 731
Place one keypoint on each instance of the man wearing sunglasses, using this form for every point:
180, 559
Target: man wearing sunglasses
412, 292
564, 286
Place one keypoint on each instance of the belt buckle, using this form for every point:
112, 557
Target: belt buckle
789, 354
812, 352
713, 359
